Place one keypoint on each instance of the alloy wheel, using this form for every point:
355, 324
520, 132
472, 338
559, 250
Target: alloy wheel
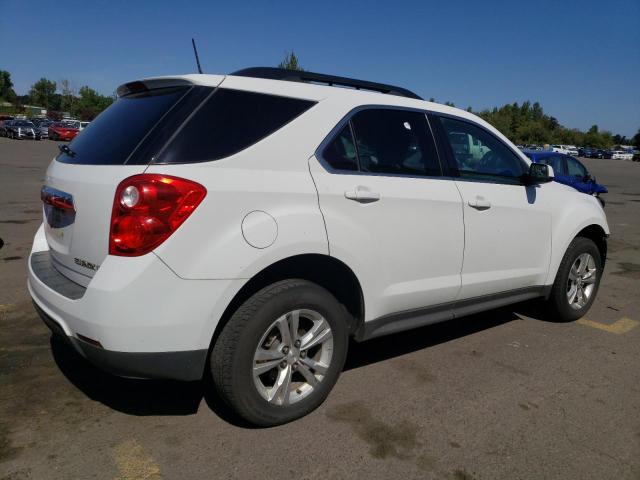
293, 357
581, 281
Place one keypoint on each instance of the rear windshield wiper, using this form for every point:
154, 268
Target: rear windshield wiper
65, 149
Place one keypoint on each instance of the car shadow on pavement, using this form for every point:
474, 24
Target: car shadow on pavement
398, 344
166, 397
127, 395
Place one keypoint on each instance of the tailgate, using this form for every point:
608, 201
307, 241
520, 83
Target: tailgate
78, 237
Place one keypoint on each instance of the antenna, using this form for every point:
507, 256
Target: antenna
195, 51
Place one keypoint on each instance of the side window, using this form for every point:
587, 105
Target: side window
395, 141
555, 162
480, 155
562, 169
230, 121
341, 152
575, 168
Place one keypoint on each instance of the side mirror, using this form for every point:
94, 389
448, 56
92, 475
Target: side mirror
539, 173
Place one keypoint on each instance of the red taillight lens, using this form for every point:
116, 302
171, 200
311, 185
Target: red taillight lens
147, 209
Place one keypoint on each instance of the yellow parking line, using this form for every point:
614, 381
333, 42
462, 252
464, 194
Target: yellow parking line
134, 463
623, 325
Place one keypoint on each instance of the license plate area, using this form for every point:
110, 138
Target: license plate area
59, 210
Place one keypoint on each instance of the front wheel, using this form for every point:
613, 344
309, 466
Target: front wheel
281, 352
577, 280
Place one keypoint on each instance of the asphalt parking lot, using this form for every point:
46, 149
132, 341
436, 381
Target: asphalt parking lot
504, 394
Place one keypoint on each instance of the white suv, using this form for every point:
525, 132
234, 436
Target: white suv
241, 228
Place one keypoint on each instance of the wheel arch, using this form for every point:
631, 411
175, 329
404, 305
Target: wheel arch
592, 229
598, 235
324, 270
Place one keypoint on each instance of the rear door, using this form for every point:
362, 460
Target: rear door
80, 183
507, 224
389, 213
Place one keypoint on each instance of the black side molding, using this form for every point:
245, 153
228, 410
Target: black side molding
409, 319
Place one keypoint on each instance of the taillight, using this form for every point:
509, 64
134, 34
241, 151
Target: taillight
147, 209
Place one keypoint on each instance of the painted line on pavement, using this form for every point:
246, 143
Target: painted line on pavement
619, 327
134, 463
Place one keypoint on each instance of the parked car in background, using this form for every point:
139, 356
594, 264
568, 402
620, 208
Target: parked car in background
593, 153
78, 124
569, 171
43, 124
572, 150
19, 129
621, 155
63, 131
3, 126
560, 149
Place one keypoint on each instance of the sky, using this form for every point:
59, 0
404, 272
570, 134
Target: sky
579, 59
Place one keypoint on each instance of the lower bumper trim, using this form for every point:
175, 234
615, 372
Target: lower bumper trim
185, 365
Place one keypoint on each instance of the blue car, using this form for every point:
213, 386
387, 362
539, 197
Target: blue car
568, 171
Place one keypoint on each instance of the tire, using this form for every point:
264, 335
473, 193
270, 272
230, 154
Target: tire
561, 306
252, 329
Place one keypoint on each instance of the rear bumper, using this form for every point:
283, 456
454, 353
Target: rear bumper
186, 365
149, 322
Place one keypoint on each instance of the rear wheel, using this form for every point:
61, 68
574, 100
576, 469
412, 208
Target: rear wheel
281, 352
577, 280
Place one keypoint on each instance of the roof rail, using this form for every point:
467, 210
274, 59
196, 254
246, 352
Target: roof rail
302, 76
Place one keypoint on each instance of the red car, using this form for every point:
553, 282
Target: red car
62, 131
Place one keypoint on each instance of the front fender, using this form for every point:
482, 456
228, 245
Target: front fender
575, 212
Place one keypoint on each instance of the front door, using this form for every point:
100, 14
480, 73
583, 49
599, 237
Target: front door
389, 213
507, 224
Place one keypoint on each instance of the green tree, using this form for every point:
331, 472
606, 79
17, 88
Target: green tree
68, 95
42, 93
636, 140
6, 87
90, 103
290, 62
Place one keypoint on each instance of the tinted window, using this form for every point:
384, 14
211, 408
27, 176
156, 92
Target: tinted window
556, 163
575, 168
228, 122
480, 155
395, 141
115, 133
341, 152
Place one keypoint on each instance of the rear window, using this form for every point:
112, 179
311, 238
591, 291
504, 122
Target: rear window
181, 125
230, 121
115, 133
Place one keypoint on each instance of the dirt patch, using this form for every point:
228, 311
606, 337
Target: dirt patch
7, 450
17, 222
629, 270
461, 475
418, 371
385, 440
615, 245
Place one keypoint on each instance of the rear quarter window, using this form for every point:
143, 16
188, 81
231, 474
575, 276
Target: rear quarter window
228, 122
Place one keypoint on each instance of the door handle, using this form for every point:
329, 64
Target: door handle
362, 195
480, 203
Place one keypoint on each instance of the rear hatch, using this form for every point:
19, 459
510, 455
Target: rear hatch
81, 182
